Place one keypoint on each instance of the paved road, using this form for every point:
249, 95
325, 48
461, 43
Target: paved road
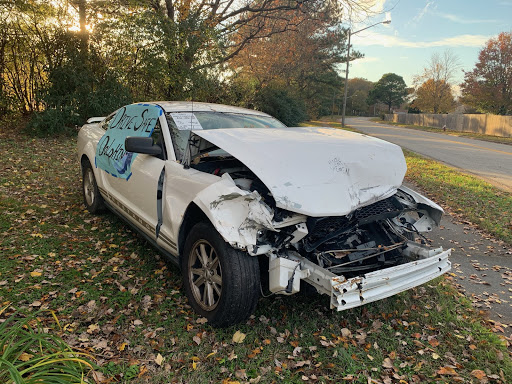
490, 161
481, 268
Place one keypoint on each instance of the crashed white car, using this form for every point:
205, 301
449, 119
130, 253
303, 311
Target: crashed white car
236, 198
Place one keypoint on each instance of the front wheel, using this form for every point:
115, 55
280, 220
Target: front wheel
92, 198
221, 283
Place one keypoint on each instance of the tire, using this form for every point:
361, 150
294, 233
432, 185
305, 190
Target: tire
221, 283
93, 200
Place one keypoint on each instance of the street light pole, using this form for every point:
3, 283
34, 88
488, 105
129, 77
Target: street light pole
350, 33
346, 83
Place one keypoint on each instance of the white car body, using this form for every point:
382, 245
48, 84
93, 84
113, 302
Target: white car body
308, 175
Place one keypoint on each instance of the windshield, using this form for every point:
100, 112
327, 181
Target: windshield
186, 121
181, 123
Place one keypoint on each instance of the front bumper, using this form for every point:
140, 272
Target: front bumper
387, 282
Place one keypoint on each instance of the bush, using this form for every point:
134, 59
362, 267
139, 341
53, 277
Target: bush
79, 88
30, 355
282, 105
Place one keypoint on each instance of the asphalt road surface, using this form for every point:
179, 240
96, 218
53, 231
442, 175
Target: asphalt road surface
481, 265
490, 161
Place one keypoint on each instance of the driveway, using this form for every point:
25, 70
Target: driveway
489, 161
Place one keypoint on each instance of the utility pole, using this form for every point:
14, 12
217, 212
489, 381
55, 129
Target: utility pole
350, 33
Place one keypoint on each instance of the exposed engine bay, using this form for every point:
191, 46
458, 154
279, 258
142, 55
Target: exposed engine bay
372, 252
369, 239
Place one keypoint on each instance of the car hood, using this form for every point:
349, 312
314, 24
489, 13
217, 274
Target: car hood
316, 171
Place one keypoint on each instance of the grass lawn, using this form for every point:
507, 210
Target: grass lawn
117, 300
483, 204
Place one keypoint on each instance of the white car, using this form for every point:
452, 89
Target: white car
236, 198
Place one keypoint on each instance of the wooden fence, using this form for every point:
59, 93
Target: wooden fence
495, 125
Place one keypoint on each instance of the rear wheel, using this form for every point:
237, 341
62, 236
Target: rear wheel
92, 198
221, 283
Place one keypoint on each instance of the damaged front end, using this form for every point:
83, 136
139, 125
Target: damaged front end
370, 253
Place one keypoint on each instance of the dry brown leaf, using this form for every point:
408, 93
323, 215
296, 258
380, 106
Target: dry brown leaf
25, 356
159, 359
387, 363
447, 371
479, 374
238, 337
93, 328
240, 374
99, 377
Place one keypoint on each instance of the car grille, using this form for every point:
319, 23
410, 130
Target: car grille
386, 208
319, 228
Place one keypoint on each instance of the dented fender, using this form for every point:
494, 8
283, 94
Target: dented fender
236, 214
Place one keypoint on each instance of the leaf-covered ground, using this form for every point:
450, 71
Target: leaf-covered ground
116, 299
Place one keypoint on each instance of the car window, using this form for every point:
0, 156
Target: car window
180, 132
158, 139
215, 120
179, 138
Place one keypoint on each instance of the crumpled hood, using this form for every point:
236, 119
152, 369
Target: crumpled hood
316, 171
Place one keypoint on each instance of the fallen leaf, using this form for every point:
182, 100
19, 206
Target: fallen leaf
387, 363
479, 374
25, 356
238, 337
99, 377
93, 328
35, 274
240, 374
447, 371
159, 359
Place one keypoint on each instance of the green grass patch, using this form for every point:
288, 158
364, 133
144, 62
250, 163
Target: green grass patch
119, 302
478, 201
31, 354
325, 122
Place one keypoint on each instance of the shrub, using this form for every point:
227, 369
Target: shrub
29, 355
281, 104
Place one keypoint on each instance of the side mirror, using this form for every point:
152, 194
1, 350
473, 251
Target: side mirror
142, 145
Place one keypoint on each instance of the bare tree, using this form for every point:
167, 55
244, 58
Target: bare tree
442, 66
436, 81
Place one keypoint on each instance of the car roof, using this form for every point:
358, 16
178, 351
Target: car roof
189, 106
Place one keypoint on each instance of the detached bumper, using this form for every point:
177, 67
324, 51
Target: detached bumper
387, 282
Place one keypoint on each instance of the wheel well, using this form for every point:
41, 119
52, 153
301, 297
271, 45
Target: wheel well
193, 215
84, 160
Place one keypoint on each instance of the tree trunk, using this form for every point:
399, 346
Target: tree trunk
84, 35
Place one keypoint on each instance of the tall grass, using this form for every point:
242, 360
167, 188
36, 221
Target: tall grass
30, 354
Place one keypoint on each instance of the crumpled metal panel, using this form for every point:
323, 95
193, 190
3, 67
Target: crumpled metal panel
387, 282
316, 171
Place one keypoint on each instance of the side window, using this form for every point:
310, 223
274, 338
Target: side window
158, 139
179, 139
